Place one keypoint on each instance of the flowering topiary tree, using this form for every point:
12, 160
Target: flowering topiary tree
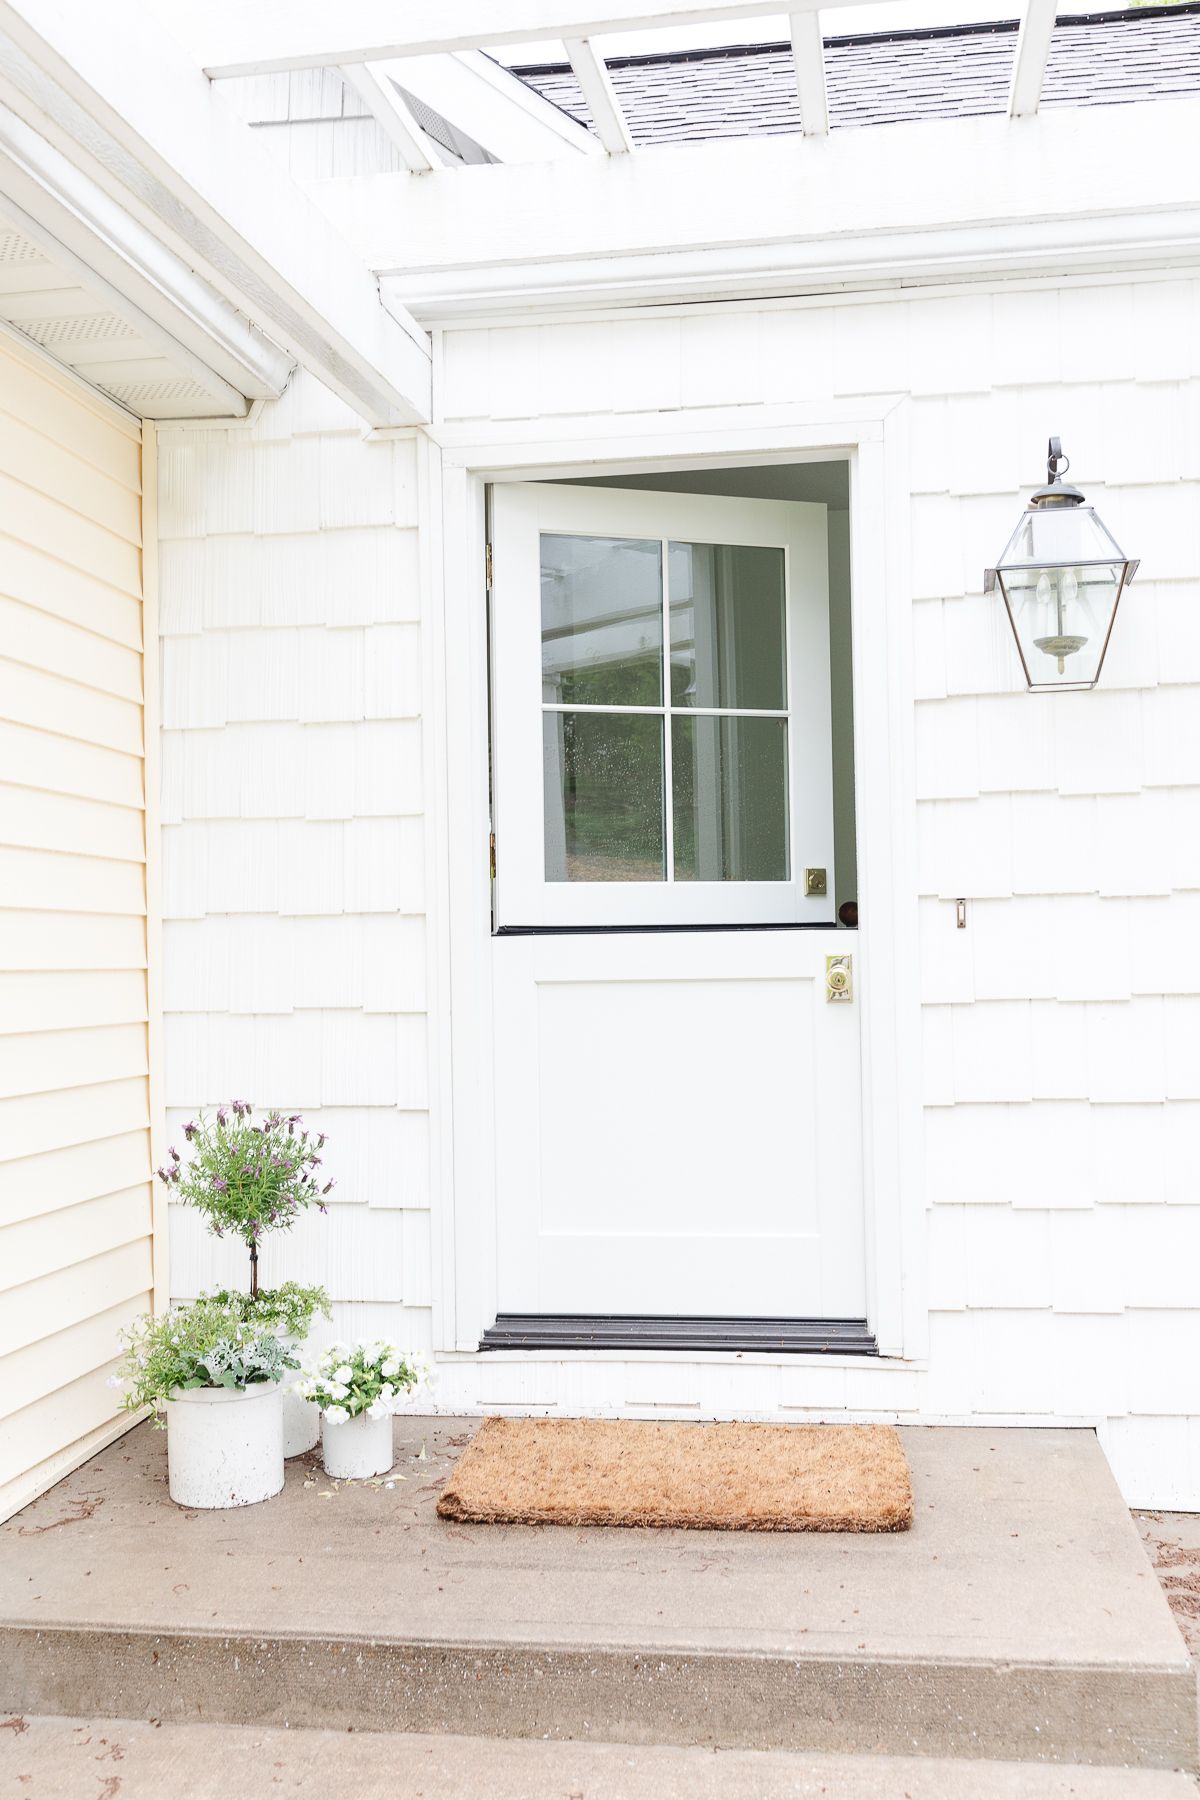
249, 1176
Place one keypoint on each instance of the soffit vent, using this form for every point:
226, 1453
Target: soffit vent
88, 328
16, 249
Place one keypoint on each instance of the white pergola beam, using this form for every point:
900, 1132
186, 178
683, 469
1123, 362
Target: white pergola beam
179, 160
1029, 63
596, 82
808, 50
229, 37
395, 119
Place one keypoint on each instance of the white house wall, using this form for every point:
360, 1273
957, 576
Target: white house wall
1062, 1075
294, 950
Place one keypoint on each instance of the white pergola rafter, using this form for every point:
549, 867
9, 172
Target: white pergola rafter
596, 82
1029, 63
231, 38
808, 50
395, 118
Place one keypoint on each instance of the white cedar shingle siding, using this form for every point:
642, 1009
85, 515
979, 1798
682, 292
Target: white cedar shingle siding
76, 1211
1062, 1074
294, 952
1062, 1086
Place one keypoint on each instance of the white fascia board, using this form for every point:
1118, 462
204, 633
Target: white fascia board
521, 291
483, 99
985, 191
114, 256
115, 92
229, 37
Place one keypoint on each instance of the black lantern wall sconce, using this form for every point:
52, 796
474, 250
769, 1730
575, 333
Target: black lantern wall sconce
1062, 575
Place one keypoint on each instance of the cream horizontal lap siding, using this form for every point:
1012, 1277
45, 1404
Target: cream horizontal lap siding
294, 939
76, 1202
1062, 1027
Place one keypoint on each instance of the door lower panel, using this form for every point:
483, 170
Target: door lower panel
616, 1331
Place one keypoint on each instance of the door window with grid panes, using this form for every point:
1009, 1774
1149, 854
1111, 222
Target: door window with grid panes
661, 708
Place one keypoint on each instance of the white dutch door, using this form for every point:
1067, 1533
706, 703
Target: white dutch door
677, 1103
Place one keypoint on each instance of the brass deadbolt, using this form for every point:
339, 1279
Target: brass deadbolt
815, 882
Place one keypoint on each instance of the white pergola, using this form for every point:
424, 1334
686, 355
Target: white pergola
231, 38
258, 252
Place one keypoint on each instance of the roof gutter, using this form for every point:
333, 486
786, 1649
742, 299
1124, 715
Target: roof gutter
76, 223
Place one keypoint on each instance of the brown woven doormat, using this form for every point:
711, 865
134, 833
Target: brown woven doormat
732, 1477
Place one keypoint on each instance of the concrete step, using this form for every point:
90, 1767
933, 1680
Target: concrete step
80, 1759
1018, 1620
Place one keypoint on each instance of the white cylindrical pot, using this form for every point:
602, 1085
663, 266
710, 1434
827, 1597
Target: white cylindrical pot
225, 1445
301, 1418
352, 1449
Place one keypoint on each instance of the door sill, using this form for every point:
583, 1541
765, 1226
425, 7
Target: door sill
620, 1331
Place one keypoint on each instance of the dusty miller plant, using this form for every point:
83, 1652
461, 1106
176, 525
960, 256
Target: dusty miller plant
248, 1176
202, 1345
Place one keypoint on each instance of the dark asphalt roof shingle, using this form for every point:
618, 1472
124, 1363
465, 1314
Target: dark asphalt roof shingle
958, 71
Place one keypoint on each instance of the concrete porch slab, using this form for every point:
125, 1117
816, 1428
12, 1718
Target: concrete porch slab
1018, 1619
77, 1759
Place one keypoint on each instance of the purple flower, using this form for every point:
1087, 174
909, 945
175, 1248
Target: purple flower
190, 1130
163, 1174
327, 1188
222, 1116
174, 1154
220, 1185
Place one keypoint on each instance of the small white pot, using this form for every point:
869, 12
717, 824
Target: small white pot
225, 1445
355, 1448
301, 1418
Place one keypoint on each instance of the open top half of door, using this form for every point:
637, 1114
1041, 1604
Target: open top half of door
661, 709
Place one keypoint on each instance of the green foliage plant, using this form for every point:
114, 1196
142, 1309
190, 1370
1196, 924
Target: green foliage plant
205, 1344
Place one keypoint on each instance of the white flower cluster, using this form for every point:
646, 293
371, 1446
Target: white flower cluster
368, 1376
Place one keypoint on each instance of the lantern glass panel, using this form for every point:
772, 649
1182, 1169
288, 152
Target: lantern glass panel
1062, 618
1062, 535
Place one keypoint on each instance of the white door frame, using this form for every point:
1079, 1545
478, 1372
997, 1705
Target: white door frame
872, 435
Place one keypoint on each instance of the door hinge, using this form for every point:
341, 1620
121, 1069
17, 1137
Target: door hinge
488, 567
492, 854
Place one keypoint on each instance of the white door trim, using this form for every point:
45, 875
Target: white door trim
875, 443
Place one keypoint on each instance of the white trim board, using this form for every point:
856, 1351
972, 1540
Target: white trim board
918, 200
873, 438
229, 38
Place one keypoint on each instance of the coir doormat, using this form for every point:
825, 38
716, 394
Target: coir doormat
725, 1477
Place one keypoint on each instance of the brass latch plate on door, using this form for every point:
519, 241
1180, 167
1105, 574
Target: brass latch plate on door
839, 978
815, 882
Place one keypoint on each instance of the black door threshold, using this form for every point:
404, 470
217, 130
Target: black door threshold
620, 1331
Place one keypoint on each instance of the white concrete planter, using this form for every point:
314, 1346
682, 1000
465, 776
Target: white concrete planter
225, 1445
301, 1418
356, 1448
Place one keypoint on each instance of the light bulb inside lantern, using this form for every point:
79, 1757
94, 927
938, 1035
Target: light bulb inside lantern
1059, 590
